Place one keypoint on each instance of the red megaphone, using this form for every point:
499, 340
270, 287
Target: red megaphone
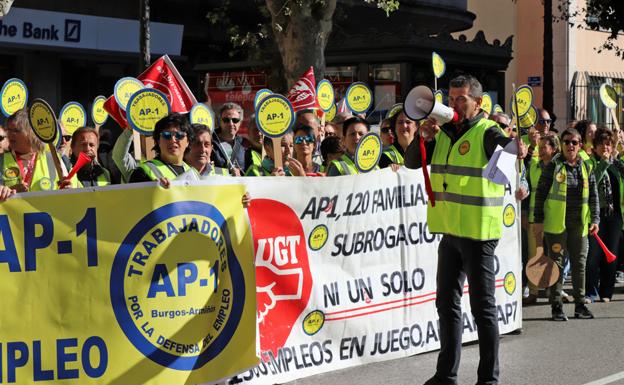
82, 160
608, 254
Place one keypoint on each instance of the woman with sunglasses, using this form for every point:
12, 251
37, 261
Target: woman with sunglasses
267, 167
566, 210
172, 136
404, 130
4, 141
229, 147
386, 134
304, 145
27, 167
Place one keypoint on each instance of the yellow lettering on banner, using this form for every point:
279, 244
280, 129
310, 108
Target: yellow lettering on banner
164, 296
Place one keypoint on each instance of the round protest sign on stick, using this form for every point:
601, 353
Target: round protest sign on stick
14, 96
325, 95
394, 110
439, 67
368, 152
145, 108
609, 97
486, 103
359, 98
202, 114
529, 119
125, 88
331, 114
541, 270
498, 109
98, 113
260, 95
72, 117
43, 122
523, 99
274, 118
439, 97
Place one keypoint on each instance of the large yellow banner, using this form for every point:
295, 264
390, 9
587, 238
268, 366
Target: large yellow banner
134, 285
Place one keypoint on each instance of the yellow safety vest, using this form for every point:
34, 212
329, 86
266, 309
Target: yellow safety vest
466, 204
155, 170
394, 155
344, 165
44, 176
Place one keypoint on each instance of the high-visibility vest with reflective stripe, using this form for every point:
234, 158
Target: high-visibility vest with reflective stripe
535, 172
466, 204
555, 204
102, 180
44, 175
256, 158
155, 169
394, 155
344, 165
210, 170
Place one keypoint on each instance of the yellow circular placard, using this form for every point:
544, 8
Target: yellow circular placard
318, 237
368, 152
14, 96
608, 96
72, 117
498, 109
394, 110
125, 88
43, 120
524, 98
529, 119
509, 215
325, 95
439, 97
275, 116
510, 283
313, 322
486, 103
98, 113
331, 114
202, 114
260, 95
145, 108
439, 67
359, 98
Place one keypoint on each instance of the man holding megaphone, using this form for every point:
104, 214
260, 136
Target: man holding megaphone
468, 211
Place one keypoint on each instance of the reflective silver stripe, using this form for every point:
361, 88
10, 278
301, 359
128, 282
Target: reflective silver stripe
457, 170
51, 167
154, 169
345, 168
468, 200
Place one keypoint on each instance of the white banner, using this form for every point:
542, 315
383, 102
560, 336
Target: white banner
345, 271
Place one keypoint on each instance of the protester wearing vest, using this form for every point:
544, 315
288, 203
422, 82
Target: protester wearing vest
86, 139
352, 130
172, 135
566, 209
609, 173
469, 213
331, 149
27, 167
267, 166
199, 154
304, 146
229, 147
548, 147
587, 129
404, 130
253, 153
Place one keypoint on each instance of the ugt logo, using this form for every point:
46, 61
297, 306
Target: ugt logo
283, 279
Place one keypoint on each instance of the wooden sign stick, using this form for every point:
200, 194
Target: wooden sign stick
615, 119
277, 152
57, 162
136, 139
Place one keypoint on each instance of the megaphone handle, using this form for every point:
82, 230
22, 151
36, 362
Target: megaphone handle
423, 164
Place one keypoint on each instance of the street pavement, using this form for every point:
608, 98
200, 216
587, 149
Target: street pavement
576, 352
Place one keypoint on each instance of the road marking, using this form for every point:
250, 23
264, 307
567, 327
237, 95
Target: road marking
607, 380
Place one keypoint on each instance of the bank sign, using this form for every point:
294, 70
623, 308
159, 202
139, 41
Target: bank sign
69, 30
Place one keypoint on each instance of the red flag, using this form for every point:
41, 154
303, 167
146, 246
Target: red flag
302, 95
163, 76
342, 106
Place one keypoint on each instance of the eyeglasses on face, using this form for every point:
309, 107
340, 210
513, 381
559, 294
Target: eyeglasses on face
228, 120
385, 130
544, 121
67, 138
307, 139
168, 135
2, 137
568, 142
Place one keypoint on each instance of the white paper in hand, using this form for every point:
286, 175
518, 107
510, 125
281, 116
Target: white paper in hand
502, 165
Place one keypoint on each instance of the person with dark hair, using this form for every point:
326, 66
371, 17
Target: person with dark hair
198, 156
468, 212
404, 131
304, 145
609, 173
331, 149
310, 119
87, 140
253, 153
566, 210
587, 129
386, 134
229, 147
172, 135
352, 130
267, 167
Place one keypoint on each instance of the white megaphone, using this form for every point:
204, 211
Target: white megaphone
420, 103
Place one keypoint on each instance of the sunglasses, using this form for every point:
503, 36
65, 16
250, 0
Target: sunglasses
503, 126
571, 142
307, 139
168, 135
228, 120
385, 130
67, 138
544, 121
2, 137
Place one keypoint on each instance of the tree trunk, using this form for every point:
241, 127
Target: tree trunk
5, 7
301, 36
547, 86
145, 36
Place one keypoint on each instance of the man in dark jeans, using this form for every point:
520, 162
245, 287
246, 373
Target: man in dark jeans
469, 212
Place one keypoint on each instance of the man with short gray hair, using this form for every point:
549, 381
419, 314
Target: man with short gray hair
228, 149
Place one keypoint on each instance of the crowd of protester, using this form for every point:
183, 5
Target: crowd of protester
572, 182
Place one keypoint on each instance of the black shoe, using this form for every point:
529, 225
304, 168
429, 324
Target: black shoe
558, 314
581, 311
